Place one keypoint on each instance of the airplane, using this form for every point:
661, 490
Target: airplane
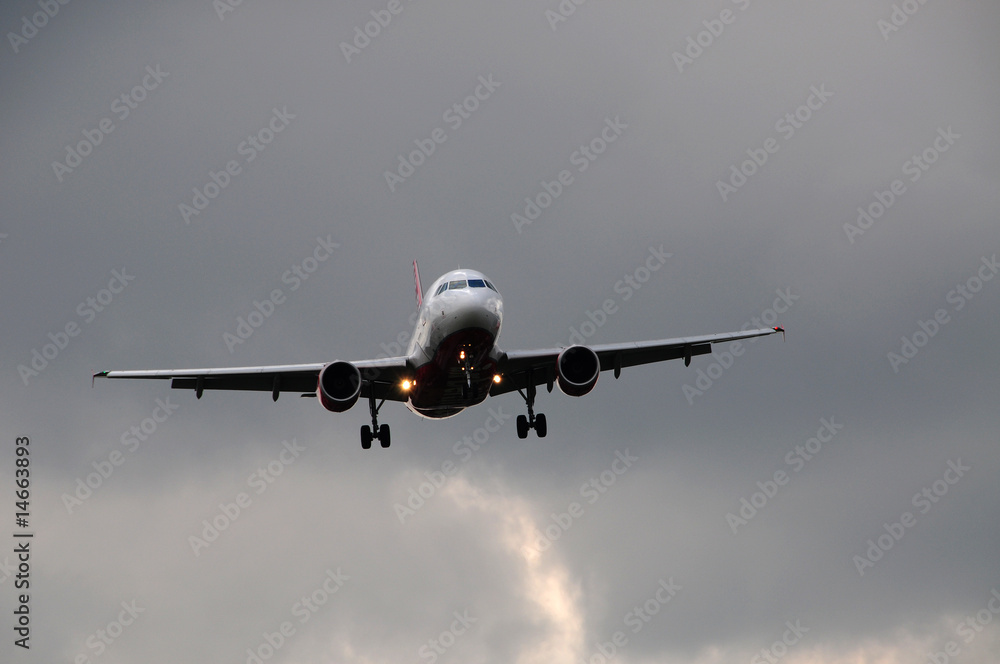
452, 362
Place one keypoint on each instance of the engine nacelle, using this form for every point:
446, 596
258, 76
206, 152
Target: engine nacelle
339, 386
577, 369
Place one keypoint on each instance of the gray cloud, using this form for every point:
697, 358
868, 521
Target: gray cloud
473, 545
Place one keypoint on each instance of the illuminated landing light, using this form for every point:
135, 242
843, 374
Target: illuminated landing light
461, 355
406, 385
496, 378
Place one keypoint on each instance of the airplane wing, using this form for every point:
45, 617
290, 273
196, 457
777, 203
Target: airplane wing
536, 367
382, 376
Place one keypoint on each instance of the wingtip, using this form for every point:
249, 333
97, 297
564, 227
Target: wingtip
780, 328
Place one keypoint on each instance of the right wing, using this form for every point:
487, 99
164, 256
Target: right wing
381, 376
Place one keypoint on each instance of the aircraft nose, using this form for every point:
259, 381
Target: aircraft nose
478, 312
476, 316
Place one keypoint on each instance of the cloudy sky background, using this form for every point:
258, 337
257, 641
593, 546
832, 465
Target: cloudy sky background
473, 547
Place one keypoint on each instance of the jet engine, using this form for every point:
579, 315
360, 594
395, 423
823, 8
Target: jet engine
339, 386
577, 369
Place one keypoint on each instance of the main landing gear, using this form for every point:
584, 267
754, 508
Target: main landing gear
532, 421
369, 433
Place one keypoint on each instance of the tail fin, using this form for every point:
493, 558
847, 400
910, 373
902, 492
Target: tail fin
420, 291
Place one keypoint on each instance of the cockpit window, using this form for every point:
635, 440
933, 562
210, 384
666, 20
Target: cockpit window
462, 283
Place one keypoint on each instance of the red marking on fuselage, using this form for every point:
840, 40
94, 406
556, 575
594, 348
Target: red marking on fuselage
439, 383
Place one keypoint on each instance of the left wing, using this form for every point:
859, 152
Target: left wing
381, 376
521, 368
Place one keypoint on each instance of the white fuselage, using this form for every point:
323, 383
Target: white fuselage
453, 346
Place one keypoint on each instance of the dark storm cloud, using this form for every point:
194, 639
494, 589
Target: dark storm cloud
176, 172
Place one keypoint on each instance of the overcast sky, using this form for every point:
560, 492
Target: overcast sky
830, 167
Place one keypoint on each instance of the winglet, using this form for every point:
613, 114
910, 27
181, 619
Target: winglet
782, 330
420, 291
99, 373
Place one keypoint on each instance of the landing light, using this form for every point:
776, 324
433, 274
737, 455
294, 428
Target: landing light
496, 378
406, 385
461, 355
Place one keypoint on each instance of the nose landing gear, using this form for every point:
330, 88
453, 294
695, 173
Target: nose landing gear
467, 370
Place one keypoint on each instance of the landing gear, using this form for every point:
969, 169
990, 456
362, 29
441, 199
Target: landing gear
532, 421
541, 428
369, 433
467, 370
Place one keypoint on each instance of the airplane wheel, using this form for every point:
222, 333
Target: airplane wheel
383, 435
366, 437
540, 427
522, 426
